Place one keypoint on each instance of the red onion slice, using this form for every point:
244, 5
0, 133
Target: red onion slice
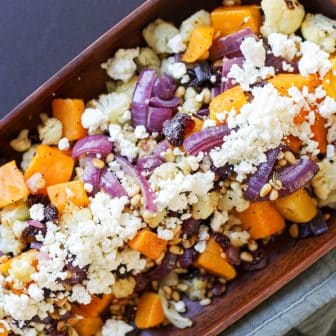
318, 225
229, 46
228, 83
35, 223
158, 102
279, 64
156, 118
146, 190
205, 139
91, 175
148, 164
164, 87
92, 144
215, 91
110, 184
161, 147
296, 176
261, 176
141, 96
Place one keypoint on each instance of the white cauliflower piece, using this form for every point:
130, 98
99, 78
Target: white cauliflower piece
321, 30
123, 288
50, 132
8, 241
324, 182
109, 108
201, 17
148, 59
22, 142
28, 156
176, 44
158, 33
122, 66
281, 16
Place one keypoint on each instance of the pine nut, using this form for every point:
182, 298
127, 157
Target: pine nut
274, 195
176, 296
180, 92
98, 163
252, 245
245, 256
294, 230
176, 250
289, 156
265, 190
282, 162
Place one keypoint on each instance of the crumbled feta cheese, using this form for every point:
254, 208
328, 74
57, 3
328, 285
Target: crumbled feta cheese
175, 69
8, 241
321, 30
140, 132
203, 237
63, 144
282, 46
88, 187
313, 60
35, 292
281, 16
218, 220
165, 233
158, 33
330, 151
180, 306
37, 212
327, 107
123, 145
22, 143
253, 52
116, 328
209, 123
262, 124
176, 44
122, 66
80, 295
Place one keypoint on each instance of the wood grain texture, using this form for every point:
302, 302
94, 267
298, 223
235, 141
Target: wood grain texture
83, 78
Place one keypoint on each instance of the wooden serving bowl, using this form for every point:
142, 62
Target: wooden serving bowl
83, 78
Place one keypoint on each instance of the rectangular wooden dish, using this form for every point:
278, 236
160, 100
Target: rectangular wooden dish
83, 78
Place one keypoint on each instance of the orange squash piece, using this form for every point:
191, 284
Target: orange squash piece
294, 143
60, 194
283, 82
329, 80
88, 326
200, 42
69, 113
12, 184
233, 98
55, 166
149, 312
213, 260
30, 256
198, 125
231, 19
261, 220
94, 308
3, 330
148, 243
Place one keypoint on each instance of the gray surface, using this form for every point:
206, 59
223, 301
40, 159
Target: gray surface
37, 37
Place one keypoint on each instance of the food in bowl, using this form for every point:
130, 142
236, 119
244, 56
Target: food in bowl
210, 142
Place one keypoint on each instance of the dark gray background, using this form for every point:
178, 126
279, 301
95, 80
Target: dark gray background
38, 37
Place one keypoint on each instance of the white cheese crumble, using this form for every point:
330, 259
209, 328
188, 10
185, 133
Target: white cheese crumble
176, 44
203, 237
174, 69
37, 211
218, 220
63, 144
122, 66
140, 132
313, 60
282, 46
116, 328
80, 295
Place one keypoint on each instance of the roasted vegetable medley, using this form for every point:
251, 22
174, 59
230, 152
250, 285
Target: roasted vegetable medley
209, 143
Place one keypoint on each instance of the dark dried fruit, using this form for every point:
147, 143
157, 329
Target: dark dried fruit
38, 198
190, 226
29, 234
187, 258
222, 240
175, 128
259, 261
224, 172
50, 213
218, 289
191, 274
141, 282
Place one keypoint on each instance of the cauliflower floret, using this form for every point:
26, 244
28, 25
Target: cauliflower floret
201, 17
28, 156
324, 182
109, 108
148, 59
320, 30
8, 241
22, 142
176, 44
281, 16
50, 132
123, 287
158, 33
122, 66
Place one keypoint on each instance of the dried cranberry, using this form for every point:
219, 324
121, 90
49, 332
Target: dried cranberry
29, 234
187, 258
38, 198
221, 239
190, 226
50, 212
75, 274
122, 271
259, 261
141, 282
129, 312
175, 128
224, 172
191, 274
218, 289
